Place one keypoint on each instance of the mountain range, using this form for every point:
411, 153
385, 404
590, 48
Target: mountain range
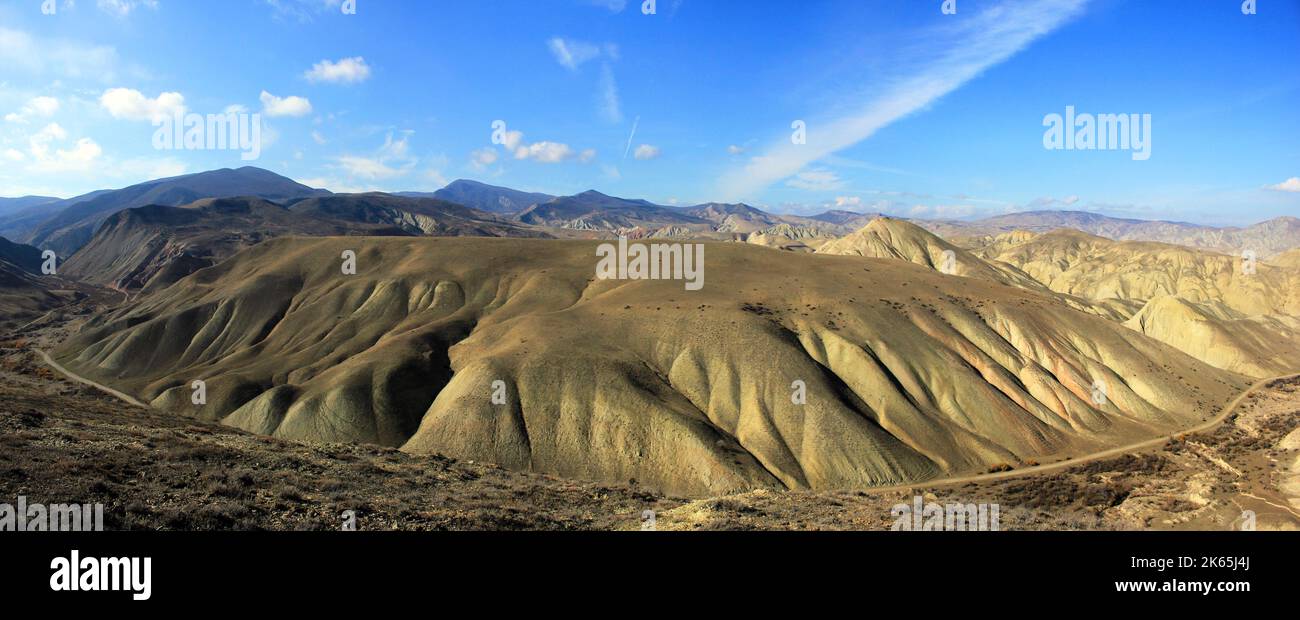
71, 223
66, 225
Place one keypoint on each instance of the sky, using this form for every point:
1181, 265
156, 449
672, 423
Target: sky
907, 107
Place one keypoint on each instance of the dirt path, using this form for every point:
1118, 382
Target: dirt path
1096, 456
79, 379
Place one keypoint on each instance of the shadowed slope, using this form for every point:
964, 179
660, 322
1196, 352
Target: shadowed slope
152, 247
909, 374
73, 222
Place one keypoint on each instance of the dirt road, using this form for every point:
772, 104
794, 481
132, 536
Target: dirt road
79, 379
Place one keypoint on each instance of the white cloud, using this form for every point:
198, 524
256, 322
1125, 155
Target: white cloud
47, 159
845, 202
816, 180
511, 139
284, 106
317, 137
128, 104
346, 71
14, 155
572, 54
1290, 185
735, 150
37, 107
957, 51
545, 152
647, 151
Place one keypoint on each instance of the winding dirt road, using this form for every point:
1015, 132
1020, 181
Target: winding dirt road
79, 379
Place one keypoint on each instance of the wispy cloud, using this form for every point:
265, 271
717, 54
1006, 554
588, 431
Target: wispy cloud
36, 107
122, 8
572, 54
613, 6
958, 52
303, 10
816, 181
392, 160
610, 107
21, 52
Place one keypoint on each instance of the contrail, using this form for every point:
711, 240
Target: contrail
632, 135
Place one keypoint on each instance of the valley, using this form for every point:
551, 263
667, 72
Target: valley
827, 367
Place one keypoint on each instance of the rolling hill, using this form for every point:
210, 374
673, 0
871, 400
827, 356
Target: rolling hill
909, 374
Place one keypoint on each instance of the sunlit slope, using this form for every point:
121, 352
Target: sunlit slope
885, 237
1080, 264
1260, 346
1216, 307
909, 374
890, 238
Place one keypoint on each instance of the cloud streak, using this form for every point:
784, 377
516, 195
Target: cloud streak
961, 50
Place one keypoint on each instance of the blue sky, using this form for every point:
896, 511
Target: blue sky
907, 110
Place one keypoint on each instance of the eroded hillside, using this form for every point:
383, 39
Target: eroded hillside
909, 374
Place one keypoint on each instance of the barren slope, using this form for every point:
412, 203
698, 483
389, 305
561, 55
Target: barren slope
910, 374
1204, 303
